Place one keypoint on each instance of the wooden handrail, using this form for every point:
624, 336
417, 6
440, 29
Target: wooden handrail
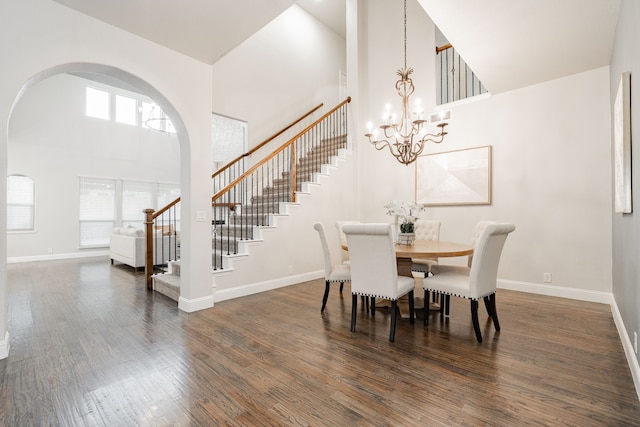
248, 153
266, 141
277, 151
443, 47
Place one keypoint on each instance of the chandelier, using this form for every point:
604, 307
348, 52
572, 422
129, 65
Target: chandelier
407, 136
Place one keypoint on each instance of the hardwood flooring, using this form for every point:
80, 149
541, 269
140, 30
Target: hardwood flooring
91, 347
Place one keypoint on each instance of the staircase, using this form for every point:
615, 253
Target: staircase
248, 204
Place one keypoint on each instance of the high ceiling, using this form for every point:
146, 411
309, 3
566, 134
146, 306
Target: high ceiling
508, 43
515, 43
202, 29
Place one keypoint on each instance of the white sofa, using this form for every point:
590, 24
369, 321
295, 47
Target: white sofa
128, 246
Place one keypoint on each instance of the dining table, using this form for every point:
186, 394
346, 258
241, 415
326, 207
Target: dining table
422, 249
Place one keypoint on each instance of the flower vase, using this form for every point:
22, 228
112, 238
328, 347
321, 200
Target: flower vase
406, 238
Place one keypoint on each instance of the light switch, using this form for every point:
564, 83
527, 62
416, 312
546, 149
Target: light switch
201, 216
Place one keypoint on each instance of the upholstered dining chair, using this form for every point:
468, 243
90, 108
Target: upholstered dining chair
332, 272
442, 268
344, 254
476, 282
425, 230
374, 271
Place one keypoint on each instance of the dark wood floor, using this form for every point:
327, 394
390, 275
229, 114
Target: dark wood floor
90, 346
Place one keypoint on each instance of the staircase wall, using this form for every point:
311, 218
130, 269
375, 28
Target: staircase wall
290, 252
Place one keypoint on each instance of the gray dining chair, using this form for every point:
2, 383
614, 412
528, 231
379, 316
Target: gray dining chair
374, 271
333, 272
477, 282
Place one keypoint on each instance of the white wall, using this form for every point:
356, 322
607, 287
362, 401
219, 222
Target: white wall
551, 160
281, 72
551, 177
52, 141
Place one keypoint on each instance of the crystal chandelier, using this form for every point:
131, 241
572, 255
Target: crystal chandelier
406, 137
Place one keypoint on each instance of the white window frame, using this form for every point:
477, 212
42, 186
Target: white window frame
25, 203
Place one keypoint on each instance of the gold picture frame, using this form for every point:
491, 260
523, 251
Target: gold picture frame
458, 177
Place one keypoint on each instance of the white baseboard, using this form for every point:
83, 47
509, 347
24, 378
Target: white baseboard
54, 257
197, 304
632, 358
4, 346
557, 291
254, 288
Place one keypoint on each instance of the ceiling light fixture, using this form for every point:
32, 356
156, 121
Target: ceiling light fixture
406, 138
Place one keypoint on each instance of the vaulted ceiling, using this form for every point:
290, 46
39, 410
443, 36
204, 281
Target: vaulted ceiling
508, 43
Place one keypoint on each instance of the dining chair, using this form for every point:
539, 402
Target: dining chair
332, 272
374, 271
425, 230
344, 254
442, 268
476, 282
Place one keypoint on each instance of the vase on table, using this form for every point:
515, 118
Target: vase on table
406, 238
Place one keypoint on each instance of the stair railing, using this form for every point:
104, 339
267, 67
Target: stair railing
250, 199
457, 80
162, 227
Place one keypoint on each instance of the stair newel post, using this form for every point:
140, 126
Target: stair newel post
294, 179
148, 258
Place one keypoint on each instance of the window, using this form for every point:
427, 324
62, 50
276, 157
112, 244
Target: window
109, 203
20, 201
136, 196
98, 104
126, 110
97, 211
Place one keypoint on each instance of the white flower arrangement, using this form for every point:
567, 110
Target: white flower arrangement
406, 212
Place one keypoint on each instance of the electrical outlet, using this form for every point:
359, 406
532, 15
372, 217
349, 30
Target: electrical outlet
635, 342
546, 277
291, 269
49, 250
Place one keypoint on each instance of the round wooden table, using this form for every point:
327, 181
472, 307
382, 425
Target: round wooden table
428, 249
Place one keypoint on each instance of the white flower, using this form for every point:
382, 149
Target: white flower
406, 212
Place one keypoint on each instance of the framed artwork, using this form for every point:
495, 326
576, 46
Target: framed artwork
622, 145
460, 177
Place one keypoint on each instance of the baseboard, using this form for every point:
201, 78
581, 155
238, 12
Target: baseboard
254, 288
632, 358
557, 291
191, 305
4, 346
55, 257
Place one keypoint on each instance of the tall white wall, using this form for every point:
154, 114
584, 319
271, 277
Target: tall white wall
52, 141
551, 160
282, 71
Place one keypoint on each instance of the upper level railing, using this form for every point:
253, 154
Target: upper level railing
162, 227
251, 198
457, 80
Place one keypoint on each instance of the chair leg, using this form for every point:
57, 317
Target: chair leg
365, 302
447, 303
341, 286
487, 305
373, 306
411, 308
326, 295
443, 301
474, 319
425, 315
354, 309
494, 312
392, 330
